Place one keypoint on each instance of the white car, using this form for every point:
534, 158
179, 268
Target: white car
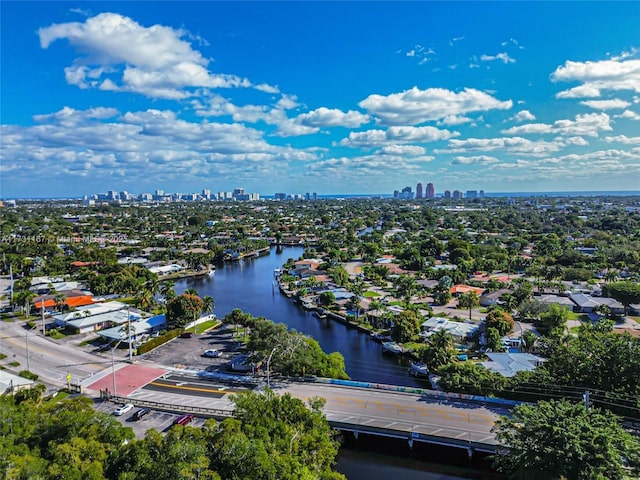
213, 353
122, 409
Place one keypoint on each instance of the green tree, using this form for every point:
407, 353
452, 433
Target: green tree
274, 437
406, 326
500, 320
469, 300
553, 321
626, 292
440, 350
559, 439
183, 309
471, 378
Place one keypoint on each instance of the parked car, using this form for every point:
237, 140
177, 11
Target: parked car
104, 347
143, 412
122, 409
211, 353
186, 335
183, 419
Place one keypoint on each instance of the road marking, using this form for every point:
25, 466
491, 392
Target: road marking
179, 387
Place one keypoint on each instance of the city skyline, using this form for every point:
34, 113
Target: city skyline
334, 98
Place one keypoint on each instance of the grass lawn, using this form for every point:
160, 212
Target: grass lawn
205, 326
56, 334
61, 395
370, 294
14, 364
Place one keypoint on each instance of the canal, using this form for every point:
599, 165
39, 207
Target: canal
248, 284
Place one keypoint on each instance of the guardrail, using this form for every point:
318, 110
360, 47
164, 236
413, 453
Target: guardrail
169, 407
420, 391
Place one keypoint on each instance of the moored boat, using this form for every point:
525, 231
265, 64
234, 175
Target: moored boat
419, 370
392, 347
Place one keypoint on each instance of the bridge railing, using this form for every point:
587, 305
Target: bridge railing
168, 407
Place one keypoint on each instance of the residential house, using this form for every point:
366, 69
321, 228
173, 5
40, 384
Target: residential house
508, 364
459, 331
584, 303
493, 298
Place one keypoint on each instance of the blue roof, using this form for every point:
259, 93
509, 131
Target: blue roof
157, 320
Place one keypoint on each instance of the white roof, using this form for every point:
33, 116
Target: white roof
457, 329
119, 317
508, 364
174, 267
119, 333
90, 310
10, 381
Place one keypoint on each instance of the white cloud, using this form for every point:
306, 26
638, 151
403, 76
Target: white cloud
514, 145
326, 117
452, 120
589, 124
409, 150
416, 106
150, 144
623, 139
155, 61
614, 74
503, 57
614, 103
393, 135
629, 114
479, 159
524, 116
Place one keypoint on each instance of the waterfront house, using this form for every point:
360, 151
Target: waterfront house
459, 331
508, 364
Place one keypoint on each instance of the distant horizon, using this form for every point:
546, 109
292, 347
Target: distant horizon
577, 193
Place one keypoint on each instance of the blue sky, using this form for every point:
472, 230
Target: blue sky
326, 97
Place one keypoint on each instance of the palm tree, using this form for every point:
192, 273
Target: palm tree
209, 303
167, 290
469, 300
191, 291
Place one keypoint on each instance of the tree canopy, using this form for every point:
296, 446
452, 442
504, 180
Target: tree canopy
559, 439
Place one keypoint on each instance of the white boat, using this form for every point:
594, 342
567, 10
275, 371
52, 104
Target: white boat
392, 347
418, 370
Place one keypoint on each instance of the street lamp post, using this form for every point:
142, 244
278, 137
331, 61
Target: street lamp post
26, 339
129, 335
44, 332
269, 364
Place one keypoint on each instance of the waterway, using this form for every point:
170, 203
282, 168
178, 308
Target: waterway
249, 284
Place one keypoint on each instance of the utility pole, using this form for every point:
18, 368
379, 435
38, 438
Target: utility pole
44, 332
585, 398
26, 339
129, 332
269, 364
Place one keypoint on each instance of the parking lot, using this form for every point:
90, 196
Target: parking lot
158, 420
187, 353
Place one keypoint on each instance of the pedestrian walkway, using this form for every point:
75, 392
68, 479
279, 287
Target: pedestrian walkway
127, 379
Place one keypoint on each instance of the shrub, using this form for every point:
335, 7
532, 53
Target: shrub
29, 375
156, 342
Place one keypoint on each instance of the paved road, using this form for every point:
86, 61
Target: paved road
52, 360
402, 411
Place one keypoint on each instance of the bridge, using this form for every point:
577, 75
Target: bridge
411, 416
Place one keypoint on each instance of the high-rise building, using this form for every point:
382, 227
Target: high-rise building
447, 194
471, 194
431, 190
419, 190
457, 194
206, 193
